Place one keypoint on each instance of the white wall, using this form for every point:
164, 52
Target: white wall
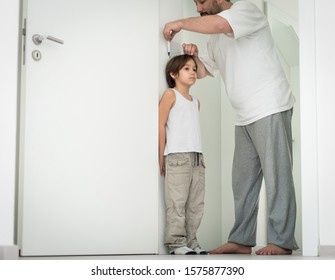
288, 7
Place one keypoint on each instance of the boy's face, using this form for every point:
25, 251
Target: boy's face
187, 75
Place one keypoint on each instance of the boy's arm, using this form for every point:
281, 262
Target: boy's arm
165, 105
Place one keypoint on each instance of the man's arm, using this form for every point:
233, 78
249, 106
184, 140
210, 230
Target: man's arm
201, 71
211, 24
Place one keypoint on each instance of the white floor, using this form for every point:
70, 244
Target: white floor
326, 253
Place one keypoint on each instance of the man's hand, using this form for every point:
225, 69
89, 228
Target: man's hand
171, 29
190, 49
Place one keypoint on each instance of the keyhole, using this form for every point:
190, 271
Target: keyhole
36, 55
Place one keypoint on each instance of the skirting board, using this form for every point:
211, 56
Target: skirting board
9, 252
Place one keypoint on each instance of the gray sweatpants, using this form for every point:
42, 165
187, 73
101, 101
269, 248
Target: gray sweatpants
184, 198
264, 149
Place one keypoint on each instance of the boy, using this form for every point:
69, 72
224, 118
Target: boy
180, 157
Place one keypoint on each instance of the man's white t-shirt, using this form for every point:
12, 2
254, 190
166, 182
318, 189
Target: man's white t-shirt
247, 60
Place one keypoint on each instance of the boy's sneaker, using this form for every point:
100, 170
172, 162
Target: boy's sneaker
183, 251
200, 251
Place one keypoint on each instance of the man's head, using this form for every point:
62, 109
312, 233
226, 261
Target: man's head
212, 7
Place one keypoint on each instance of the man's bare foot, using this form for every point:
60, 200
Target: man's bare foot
231, 248
272, 249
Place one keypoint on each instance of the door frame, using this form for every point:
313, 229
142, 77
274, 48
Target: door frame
308, 129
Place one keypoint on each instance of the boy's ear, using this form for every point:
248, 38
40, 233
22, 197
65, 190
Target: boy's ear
172, 75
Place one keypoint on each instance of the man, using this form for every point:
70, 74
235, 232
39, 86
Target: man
242, 49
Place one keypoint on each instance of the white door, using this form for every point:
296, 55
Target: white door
88, 132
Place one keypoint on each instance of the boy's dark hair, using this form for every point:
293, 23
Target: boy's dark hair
174, 65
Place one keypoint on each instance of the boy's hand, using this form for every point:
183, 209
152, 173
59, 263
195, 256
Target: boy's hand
162, 166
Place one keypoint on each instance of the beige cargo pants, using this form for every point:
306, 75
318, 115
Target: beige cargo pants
184, 198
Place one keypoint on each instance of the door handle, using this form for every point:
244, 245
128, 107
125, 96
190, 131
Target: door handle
38, 39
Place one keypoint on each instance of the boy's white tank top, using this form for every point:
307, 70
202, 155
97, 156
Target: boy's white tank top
183, 126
